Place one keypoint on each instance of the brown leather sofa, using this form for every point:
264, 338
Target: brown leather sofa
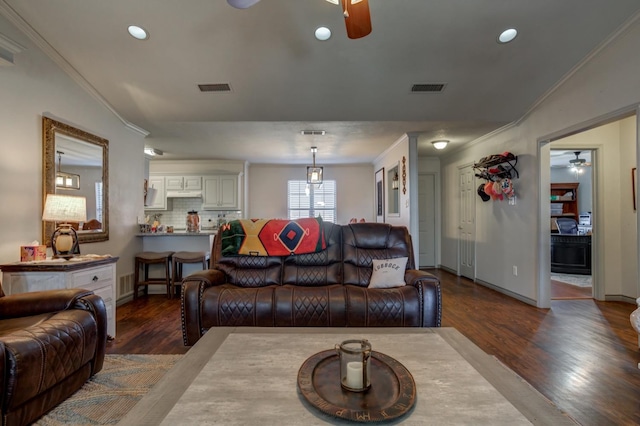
51, 342
324, 289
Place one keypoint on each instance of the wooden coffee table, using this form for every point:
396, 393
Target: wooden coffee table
249, 376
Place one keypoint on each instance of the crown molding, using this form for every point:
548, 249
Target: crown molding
14, 17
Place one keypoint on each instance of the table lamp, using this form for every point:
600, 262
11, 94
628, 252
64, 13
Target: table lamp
64, 209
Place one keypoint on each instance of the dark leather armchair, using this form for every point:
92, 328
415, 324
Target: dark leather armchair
51, 342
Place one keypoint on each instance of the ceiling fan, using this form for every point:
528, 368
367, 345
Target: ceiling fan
578, 162
356, 14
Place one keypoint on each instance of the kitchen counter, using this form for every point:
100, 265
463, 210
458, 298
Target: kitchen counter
177, 234
177, 241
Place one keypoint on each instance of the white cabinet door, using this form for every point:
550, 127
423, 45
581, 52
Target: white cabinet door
160, 203
220, 192
192, 183
174, 183
228, 195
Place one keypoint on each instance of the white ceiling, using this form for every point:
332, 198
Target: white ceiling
284, 81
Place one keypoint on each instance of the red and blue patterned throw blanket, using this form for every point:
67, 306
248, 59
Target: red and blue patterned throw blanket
272, 237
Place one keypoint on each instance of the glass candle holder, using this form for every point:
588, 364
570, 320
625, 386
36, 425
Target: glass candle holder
355, 357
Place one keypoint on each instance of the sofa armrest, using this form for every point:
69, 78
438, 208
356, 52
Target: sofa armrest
95, 305
192, 288
40, 302
208, 276
429, 287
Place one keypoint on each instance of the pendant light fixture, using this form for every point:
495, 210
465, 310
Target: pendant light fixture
395, 183
66, 180
314, 174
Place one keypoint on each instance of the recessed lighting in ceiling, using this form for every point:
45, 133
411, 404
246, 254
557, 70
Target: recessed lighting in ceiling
507, 35
138, 32
323, 33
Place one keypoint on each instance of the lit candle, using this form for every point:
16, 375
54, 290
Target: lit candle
354, 375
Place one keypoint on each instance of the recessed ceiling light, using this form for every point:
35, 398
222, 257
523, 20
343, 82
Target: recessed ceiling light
507, 35
323, 33
138, 32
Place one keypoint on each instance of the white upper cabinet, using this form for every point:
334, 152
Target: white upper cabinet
183, 183
220, 192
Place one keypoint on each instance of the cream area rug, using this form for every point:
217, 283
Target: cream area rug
111, 393
573, 279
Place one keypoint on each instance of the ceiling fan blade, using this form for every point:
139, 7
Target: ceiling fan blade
242, 4
357, 18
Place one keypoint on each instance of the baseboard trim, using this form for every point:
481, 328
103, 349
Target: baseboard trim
516, 296
619, 298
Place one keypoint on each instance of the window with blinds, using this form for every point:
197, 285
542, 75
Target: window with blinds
99, 202
308, 200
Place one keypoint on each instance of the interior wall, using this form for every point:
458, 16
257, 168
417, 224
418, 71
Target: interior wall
35, 86
392, 157
584, 179
509, 236
354, 190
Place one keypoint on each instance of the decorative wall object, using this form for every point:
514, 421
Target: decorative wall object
634, 180
380, 195
404, 175
498, 171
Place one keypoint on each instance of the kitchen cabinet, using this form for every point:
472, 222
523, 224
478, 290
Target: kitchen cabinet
160, 203
220, 192
183, 183
98, 276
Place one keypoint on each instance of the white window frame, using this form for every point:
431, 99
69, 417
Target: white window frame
302, 200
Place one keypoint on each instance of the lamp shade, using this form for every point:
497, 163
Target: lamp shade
314, 174
64, 208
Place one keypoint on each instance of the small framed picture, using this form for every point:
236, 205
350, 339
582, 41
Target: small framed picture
380, 195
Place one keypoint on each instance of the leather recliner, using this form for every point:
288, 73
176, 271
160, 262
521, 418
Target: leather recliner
51, 342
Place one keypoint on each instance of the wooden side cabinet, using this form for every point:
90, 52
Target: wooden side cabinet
98, 276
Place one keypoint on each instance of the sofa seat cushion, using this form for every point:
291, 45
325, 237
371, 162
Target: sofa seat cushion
388, 307
237, 306
46, 353
297, 306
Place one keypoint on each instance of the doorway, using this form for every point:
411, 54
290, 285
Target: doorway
467, 223
613, 140
571, 229
427, 220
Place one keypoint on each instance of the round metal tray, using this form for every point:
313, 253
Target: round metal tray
392, 393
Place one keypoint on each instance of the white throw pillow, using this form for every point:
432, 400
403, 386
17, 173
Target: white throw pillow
388, 273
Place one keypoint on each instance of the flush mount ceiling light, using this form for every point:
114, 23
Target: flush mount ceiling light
138, 32
314, 174
441, 144
323, 33
356, 14
507, 35
152, 151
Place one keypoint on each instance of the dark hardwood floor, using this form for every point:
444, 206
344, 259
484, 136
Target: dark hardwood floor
581, 354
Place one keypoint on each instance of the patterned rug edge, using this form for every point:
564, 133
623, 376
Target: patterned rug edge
110, 394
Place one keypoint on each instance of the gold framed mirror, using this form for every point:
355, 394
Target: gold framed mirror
76, 162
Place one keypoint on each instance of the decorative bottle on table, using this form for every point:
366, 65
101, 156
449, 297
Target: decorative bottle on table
193, 221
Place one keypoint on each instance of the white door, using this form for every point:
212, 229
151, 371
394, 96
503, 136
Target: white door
427, 220
467, 225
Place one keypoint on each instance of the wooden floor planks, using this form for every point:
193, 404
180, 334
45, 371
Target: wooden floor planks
581, 354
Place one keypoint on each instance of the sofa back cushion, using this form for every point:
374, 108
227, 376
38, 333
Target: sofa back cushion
363, 242
317, 269
247, 271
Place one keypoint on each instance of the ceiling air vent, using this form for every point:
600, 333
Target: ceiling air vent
217, 87
313, 132
428, 87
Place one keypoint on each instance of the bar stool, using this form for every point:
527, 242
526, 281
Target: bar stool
182, 257
146, 258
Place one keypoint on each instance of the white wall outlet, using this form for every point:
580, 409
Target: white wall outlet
512, 201
515, 271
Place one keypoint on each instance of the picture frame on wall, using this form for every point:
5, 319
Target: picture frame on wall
380, 195
634, 182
